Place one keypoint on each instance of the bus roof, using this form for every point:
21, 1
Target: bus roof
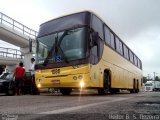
65, 22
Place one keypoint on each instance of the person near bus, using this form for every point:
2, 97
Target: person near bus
19, 75
34, 89
32, 69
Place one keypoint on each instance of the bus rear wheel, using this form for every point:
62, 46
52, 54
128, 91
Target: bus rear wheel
135, 87
66, 91
114, 90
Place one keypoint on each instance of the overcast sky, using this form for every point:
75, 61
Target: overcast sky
136, 22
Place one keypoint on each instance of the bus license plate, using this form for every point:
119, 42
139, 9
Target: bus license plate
55, 81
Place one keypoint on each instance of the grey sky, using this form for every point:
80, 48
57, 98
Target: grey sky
136, 22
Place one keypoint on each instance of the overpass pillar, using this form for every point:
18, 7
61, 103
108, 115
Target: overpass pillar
27, 57
27, 61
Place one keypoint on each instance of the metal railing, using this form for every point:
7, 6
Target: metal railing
15, 25
10, 53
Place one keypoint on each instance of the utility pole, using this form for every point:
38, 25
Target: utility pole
154, 73
148, 76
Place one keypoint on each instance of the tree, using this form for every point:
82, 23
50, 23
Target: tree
157, 78
145, 79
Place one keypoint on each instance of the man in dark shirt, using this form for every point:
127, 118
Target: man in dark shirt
19, 74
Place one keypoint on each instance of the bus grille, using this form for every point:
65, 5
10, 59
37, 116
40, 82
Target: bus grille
148, 88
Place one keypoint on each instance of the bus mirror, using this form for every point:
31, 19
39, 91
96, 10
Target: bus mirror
95, 38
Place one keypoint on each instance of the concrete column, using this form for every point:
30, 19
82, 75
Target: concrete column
34, 45
27, 57
27, 61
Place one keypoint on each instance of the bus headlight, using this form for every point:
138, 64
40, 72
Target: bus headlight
81, 84
39, 85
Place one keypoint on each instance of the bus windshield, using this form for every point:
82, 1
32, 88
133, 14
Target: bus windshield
62, 46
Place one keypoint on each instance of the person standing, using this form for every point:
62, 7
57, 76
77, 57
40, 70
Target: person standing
32, 69
18, 75
34, 89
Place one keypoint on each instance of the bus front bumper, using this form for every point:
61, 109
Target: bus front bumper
70, 81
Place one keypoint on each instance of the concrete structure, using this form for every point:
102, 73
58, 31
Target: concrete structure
18, 34
10, 57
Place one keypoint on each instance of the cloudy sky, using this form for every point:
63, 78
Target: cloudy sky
136, 22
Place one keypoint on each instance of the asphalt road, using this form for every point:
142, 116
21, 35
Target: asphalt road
123, 106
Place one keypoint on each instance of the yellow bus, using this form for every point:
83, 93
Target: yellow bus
80, 51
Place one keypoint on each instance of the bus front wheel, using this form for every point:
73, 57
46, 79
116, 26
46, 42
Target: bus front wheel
102, 91
66, 91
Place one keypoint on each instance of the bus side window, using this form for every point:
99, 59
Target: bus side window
117, 45
112, 40
139, 63
131, 56
120, 48
97, 26
135, 60
101, 48
125, 49
107, 35
97, 50
94, 55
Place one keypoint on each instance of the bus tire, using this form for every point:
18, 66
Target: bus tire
137, 90
132, 91
102, 91
114, 90
137, 87
134, 87
34, 90
66, 91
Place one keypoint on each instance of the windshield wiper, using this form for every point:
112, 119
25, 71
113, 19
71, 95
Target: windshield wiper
64, 56
59, 43
57, 47
50, 52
